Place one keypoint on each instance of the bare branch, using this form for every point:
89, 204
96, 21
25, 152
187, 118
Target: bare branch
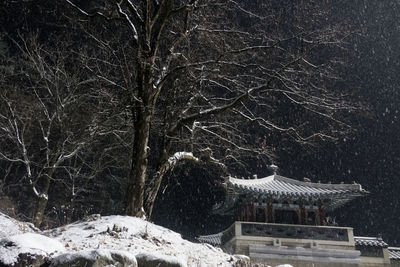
135, 33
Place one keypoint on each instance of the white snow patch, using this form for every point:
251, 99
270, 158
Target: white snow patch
136, 236
181, 155
90, 255
36, 192
103, 236
31, 243
10, 226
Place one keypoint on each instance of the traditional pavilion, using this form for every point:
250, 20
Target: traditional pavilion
281, 220
277, 199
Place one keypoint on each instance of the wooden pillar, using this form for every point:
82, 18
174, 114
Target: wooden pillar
251, 211
270, 211
266, 213
246, 211
302, 214
321, 213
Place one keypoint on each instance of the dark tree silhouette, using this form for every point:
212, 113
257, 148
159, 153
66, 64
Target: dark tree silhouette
204, 71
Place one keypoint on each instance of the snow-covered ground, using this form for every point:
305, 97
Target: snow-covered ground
10, 226
129, 235
137, 236
32, 243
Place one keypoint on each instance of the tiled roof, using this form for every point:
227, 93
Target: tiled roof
370, 242
279, 185
394, 253
214, 240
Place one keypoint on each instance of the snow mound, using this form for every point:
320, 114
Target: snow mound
158, 260
27, 243
92, 256
10, 226
138, 237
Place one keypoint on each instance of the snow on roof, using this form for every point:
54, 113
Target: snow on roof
276, 184
370, 242
394, 253
214, 239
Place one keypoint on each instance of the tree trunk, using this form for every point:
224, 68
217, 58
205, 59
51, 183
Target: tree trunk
154, 188
147, 91
135, 190
162, 168
38, 212
41, 201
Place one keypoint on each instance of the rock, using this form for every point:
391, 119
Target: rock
28, 249
92, 217
150, 260
241, 261
10, 226
27, 259
95, 258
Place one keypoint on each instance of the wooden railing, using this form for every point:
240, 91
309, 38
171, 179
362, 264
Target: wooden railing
287, 231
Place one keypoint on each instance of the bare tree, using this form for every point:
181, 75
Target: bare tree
207, 71
50, 121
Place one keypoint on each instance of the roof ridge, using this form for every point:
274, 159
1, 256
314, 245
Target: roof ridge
276, 177
356, 187
367, 237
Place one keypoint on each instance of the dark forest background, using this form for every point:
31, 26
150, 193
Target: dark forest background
368, 153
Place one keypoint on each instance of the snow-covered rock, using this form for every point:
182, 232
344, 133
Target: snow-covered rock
150, 260
106, 241
139, 237
10, 226
28, 249
94, 258
241, 261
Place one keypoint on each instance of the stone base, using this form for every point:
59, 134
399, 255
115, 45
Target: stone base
303, 257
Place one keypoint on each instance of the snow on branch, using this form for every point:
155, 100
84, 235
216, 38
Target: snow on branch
83, 11
173, 160
39, 195
135, 33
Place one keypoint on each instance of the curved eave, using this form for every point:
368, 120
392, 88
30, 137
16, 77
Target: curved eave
226, 207
278, 187
337, 202
240, 189
394, 253
280, 183
215, 239
362, 241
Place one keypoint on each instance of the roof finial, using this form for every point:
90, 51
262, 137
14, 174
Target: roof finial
274, 168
